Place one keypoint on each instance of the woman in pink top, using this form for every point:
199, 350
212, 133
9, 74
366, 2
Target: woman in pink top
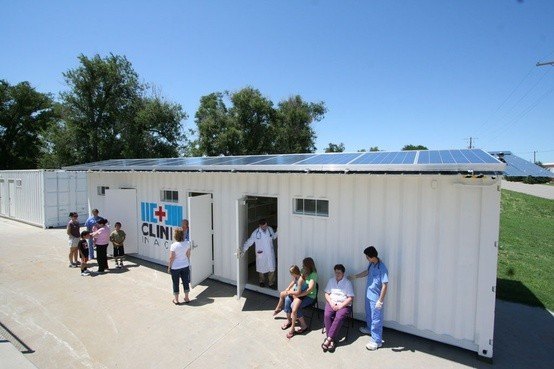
102, 239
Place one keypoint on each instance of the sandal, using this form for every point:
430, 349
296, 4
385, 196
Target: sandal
277, 311
175, 302
300, 330
290, 334
286, 326
331, 346
325, 344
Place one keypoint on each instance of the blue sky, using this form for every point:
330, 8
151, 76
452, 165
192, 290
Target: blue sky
390, 72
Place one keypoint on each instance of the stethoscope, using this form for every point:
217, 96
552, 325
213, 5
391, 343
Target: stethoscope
259, 233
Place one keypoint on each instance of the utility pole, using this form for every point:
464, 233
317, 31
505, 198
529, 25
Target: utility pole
471, 139
534, 157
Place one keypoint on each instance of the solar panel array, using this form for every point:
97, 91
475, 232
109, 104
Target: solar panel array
518, 167
381, 161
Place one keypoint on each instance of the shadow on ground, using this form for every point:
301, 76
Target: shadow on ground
524, 335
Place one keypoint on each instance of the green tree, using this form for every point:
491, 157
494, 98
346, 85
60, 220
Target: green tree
246, 123
334, 147
414, 147
292, 130
107, 114
252, 114
218, 133
25, 116
374, 148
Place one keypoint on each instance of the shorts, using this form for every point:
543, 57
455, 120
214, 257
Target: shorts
118, 251
73, 241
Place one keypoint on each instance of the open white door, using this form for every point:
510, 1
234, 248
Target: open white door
121, 206
200, 234
242, 234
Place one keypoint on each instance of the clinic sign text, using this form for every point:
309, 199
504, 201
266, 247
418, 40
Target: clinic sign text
158, 221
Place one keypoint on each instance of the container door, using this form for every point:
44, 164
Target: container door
242, 234
200, 234
2, 197
121, 206
11, 197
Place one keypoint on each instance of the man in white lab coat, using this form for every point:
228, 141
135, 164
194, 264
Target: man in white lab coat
263, 237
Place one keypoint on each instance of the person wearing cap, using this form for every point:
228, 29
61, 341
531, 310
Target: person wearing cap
263, 237
102, 239
376, 289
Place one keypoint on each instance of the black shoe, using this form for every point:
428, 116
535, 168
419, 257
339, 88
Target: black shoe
262, 284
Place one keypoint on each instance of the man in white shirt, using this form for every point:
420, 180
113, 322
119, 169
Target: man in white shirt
338, 294
263, 237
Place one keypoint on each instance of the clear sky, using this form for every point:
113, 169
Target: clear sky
390, 72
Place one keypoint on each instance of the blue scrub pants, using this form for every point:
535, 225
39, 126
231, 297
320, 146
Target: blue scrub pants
374, 320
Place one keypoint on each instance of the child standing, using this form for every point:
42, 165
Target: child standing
84, 251
118, 237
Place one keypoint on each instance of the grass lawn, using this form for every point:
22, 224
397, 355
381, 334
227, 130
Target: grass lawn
526, 250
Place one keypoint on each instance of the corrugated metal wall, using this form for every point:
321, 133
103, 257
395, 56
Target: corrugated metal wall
436, 234
43, 198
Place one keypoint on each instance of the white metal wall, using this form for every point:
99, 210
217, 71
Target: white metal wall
44, 198
436, 234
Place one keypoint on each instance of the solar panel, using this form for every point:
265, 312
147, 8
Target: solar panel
245, 160
342, 158
399, 161
285, 159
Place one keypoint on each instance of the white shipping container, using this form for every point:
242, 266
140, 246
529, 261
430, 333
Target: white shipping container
43, 198
436, 233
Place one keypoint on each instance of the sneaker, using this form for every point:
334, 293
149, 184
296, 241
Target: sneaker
77, 263
262, 284
372, 345
118, 266
85, 273
365, 330
72, 265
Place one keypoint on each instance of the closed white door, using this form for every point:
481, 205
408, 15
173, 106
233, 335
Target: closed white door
242, 234
11, 196
200, 235
121, 206
2, 198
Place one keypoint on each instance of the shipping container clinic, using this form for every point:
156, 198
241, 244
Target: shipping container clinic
43, 198
432, 215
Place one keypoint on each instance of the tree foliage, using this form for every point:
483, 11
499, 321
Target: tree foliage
107, 114
414, 147
25, 116
246, 123
334, 147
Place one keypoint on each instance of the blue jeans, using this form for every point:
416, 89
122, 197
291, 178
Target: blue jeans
374, 320
306, 301
90, 249
184, 275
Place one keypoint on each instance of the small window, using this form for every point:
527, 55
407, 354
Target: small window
170, 196
315, 207
18, 182
101, 190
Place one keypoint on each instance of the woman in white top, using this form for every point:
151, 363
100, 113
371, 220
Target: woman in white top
338, 295
178, 266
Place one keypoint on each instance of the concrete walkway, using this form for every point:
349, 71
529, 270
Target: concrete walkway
539, 190
125, 319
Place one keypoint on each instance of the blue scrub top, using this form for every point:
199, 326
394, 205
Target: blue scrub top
377, 274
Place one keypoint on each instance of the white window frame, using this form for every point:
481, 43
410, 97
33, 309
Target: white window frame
173, 196
317, 204
101, 190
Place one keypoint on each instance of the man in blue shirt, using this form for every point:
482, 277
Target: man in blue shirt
91, 222
376, 289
